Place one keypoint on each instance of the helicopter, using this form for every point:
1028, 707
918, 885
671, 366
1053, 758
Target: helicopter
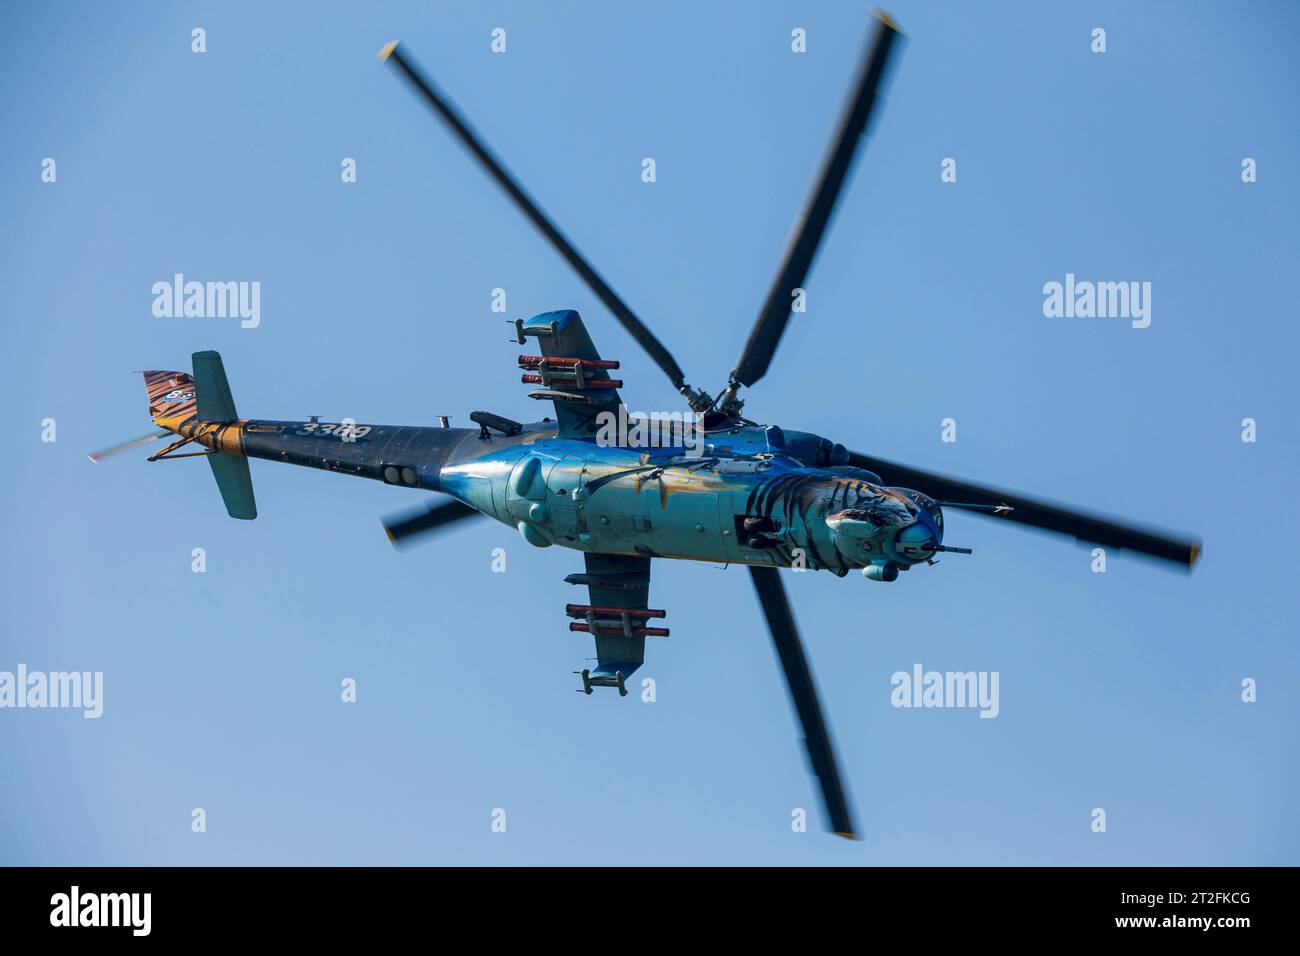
717, 488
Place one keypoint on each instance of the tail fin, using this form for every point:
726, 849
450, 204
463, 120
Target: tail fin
211, 388
176, 398
171, 398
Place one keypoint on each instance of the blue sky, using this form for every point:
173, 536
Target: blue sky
1118, 690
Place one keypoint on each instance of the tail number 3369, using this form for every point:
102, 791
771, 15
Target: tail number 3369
342, 431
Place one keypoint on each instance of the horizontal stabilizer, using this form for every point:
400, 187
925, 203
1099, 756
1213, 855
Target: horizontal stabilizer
235, 483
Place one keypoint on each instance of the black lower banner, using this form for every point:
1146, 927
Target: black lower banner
216, 904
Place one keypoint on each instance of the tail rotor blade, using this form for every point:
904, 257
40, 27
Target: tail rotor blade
803, 693
401, 528
127, 445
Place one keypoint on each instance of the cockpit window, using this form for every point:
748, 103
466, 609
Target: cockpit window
929, 505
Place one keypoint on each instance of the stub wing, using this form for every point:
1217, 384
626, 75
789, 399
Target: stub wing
564, 367
617, 617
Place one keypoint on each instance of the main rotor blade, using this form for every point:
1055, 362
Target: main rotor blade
444, 107
812, 222
1038, 514
803, 692
127, 445
427, 519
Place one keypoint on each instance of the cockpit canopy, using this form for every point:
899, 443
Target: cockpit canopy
927, 505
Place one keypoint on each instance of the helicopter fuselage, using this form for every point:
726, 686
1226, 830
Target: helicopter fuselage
746, 495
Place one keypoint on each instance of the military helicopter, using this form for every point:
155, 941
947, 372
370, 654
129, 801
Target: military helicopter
721, 488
